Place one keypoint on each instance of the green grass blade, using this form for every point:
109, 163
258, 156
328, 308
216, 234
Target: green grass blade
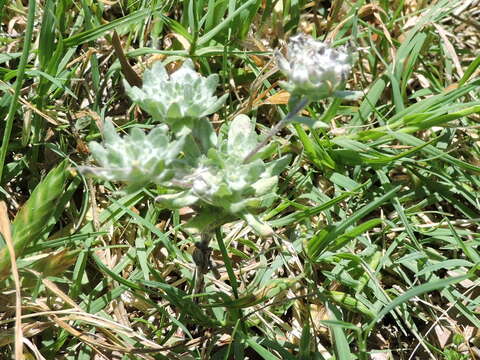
327, 236
18, 85
341, 347
29, 224
47, 34
416, 291
95, 33
260, 350
368, 104
221, 27
228, 263
470, 71
433, 151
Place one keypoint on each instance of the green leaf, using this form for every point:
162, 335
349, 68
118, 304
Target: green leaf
260, 350
135, 17
29, 223
311, 123
470, 71
447, 264
220, 27
368, 103
180, 300
341, 346
349, 302
416, 291
348, 95
260, 227
328, 236
315, 153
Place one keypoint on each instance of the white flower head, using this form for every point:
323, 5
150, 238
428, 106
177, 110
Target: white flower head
136, 159
205, 182
222, 179
177, 99
313, 68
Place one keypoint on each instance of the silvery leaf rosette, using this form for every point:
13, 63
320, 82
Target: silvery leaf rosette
314, 69
222, 184
177, 99
136, 159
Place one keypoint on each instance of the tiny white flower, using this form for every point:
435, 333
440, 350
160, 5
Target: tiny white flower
313, 68
205, 183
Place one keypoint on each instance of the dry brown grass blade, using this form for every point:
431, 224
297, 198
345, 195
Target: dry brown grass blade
107, 342
279, 98
33, 108
54, 288
5, 230
450, 49
377, 16
127, 70
56, 263
29, 330
107, 327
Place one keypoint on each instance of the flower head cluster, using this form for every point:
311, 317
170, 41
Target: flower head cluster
222, 179
177, 99
198, 169
313, 68
136, 159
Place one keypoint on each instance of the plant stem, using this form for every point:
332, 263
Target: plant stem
228, 263
362, 345
299, 105
236, 314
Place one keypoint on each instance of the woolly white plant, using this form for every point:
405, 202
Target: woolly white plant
222, 179
177, 99
314, 69
136, 159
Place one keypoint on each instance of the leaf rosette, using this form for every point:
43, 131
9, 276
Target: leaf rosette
177, 99
224, 181
137, 159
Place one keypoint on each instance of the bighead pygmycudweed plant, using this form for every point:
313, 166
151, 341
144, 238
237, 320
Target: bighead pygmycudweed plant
314, 71
177, 99
223, 179
136, 159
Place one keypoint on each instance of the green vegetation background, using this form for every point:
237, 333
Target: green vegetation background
376, 246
